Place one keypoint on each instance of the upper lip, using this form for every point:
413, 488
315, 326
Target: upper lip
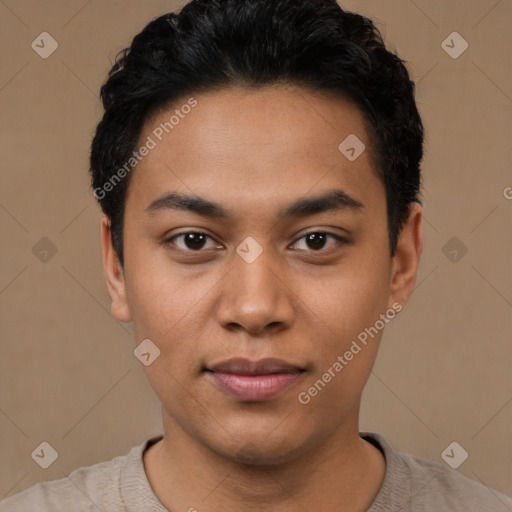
241, 366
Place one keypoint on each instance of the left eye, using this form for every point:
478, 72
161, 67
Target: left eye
317, 239
195, 241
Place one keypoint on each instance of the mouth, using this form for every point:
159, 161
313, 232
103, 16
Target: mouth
254, 381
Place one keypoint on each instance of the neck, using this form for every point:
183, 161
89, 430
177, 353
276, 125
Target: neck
344, 473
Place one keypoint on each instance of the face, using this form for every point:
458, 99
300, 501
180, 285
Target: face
256, 293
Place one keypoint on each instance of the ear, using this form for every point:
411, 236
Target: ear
114, 274
407, 256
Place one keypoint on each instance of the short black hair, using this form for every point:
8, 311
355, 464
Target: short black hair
216, 44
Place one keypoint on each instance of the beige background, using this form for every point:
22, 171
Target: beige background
68, 374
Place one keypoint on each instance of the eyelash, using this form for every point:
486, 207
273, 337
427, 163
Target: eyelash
341, 240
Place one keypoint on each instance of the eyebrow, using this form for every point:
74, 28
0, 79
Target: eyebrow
333, 200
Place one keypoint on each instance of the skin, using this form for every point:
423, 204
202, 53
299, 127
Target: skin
255, 152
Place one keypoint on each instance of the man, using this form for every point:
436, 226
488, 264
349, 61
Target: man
258, 168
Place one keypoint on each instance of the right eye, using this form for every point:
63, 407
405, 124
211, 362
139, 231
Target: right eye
192, 241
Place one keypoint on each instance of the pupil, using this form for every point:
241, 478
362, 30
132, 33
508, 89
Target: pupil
189, 240
320, 240
196, 240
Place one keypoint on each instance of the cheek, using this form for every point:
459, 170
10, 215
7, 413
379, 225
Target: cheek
346, 345
165, 309
352, 297
170, 306
158, 293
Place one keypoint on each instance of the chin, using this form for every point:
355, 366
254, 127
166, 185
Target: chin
252, 455
260, 450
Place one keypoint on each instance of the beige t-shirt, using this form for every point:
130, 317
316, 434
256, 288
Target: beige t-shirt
411, 484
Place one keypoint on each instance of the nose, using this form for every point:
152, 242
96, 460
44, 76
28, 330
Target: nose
256, 297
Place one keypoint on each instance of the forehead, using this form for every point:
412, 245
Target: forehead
254, 146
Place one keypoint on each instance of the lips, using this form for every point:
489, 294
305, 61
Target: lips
254, 381
241, 366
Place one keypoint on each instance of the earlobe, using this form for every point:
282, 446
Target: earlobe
114, 274
406, 259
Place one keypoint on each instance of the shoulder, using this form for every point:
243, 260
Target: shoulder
419, 484
86, 488
446, 487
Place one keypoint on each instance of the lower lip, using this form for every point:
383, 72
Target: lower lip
254, 388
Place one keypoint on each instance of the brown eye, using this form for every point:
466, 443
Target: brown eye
192, 241
317, 240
